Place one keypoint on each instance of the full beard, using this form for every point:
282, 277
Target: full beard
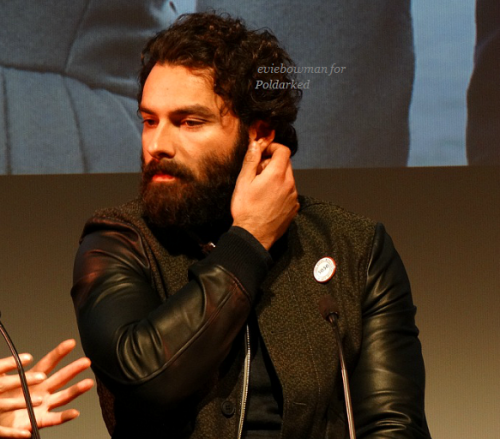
192, 201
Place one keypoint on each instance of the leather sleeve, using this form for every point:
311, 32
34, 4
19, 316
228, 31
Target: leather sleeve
388, 382
145, 350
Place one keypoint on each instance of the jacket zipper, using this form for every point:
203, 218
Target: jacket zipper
246, 382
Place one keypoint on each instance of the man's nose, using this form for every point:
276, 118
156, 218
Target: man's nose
162, 144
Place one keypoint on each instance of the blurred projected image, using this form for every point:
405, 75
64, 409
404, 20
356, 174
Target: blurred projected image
383, 83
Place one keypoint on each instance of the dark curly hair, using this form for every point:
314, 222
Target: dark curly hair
237, 58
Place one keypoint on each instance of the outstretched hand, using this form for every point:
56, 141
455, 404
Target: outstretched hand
265, 198
44, 390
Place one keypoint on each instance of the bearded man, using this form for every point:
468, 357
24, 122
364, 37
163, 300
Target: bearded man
198, 302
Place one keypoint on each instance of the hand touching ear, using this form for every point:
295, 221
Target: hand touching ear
265, 198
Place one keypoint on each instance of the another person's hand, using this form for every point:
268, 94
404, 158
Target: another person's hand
265, 198
44, 391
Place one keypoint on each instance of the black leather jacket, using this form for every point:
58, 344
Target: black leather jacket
166, 343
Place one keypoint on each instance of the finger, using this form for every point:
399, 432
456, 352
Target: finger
251, 162
289, 182
11, 382
66, 374
7, 432
52, 359
273, 147
9, 364
57, 418
67, 395
279, 157
289, 172
9, 404
262, 165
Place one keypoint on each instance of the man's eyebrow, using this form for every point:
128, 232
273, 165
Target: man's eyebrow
146, 110
199, 110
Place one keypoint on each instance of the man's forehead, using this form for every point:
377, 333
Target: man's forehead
183, 87
172, 75
172, 81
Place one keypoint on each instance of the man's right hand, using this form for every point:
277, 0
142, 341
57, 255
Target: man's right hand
265, 198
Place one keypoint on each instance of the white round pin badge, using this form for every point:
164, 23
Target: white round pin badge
324, 269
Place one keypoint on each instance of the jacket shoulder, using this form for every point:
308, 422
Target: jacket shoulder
127, 217
327, 216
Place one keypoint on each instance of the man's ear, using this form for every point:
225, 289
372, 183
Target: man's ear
261, 133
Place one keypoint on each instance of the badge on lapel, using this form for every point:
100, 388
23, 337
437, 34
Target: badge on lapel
324, 269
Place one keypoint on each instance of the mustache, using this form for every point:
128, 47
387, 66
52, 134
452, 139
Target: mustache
167, 166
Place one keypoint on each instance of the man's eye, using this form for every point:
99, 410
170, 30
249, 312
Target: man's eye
192, 122
148, 122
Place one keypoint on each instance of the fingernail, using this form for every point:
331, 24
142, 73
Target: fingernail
39, 376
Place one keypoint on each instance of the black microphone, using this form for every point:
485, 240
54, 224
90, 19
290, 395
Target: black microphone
329, 310
35, 434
